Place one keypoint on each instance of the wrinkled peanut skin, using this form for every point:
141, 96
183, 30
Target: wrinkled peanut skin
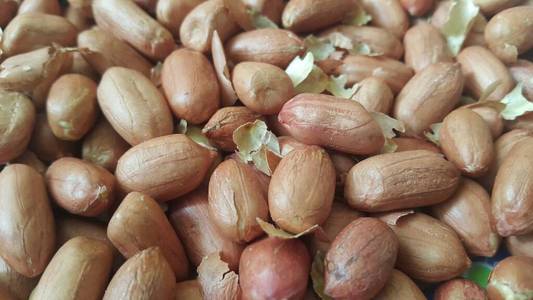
312, 15
17, 118
360, 260
301, 189
27, 236
264, 269
400, 180
400, 286
512, 277
331, 122
460, 289
138, 224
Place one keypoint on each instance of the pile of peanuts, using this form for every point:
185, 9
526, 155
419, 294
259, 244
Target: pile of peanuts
265, 149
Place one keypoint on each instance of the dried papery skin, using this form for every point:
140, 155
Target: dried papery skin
227, 92
32, 31
236, 199
80, 187
378, 39
364, 252
27, 235
46, 145
511, 201
274, 46
188, 290
480, 69
103, 146
17, 118
522, 71
103, 51
33, 73
130, 23
80, 267
8, 10
374, 95
263, 270
146, 275
301, 189
19, 286
216, 280
400, 180
189, 215
50, 7
460, 289
521, 245
408, 144
331, 122
512, 278
358, 67
425, 45
400, 286
196, 30
190, 85
387, 14
428, 97
508, 33
252, 14
472, 150
312, 15
468, 212
171, 13
429, 250
133, 105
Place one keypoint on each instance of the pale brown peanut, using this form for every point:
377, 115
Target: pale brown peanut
476, 36
502, 147
219, 129
508, 33
32, 31
71, 106
428, 97
359, 67
33, 73
81, 66
512, 278
29, 158
425, 45
103, 146
46, 145
263, 88
312, 15
264, 261
522, 71
288, 143
18, 285
236, 199
491, 116
378, 39
521, 245
79, 270
140, 223
242, 11
417, 8
400, 180
374, 95
27, 237
171, 13
331, 122
429, 250
471, 150
189, 215
512, 203
80, 187
490, 7
128, 22
340, 216
481, 69
106, 51
17, 117
6, 294
78, 18
148, 5
341, 162
460, 289
301, 189
188, 290
147, 275
365, 246
69, 227
400, 286
273, 46
407, 144
196, 30
50, 7
176, 165
387, 14
468, 213
523, 122
191, 85
133, 105
8, 10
